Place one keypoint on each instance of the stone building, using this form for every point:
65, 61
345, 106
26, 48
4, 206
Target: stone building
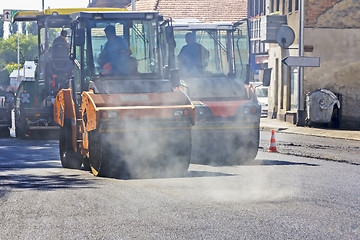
331, 31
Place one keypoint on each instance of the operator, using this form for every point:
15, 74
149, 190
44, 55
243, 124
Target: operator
115, 57
61, 40
193, 56
60, 62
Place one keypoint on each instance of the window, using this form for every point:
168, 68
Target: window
138, 36
277, 5
297, 5
290, 6
283, 7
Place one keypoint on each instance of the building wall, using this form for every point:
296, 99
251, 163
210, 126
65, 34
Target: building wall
339, 71
333, 29
332, 32
284, 79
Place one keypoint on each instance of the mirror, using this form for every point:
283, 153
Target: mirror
79, 37
175, 77
267, 77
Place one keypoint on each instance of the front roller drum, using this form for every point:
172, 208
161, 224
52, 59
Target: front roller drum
102, 160
149, 154
157, 153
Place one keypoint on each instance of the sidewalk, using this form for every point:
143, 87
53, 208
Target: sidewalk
267, 124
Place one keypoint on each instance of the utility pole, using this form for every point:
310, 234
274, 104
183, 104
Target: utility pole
43, 5
18, 54
301, 100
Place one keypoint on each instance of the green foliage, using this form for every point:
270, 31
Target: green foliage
11, 67
13, 28
23, 28
8, 53
32, 28
8, 49
54, 33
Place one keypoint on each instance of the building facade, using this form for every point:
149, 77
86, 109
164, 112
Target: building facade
330, 30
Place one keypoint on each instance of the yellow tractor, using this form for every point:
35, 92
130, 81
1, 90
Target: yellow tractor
35, 98
213, 58
123, 114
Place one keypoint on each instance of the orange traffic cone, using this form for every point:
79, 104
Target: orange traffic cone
272, 147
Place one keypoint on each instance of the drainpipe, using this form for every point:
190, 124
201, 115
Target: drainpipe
301, 101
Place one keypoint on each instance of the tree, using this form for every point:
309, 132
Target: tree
13, 28
8, 53
8, 49
32, 28
23, 28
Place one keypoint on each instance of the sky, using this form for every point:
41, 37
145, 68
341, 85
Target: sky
37, 4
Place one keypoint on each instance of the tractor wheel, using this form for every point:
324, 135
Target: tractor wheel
69, 158
22, 127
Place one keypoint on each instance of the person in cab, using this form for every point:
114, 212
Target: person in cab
115, 57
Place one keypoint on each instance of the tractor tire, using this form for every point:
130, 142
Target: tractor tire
69, 158
22, 127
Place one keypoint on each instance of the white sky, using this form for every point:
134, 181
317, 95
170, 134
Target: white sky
37, 4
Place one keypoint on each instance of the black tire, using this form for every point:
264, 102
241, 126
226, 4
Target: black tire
22, 127
69, 158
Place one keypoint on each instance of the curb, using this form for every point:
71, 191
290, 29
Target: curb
285, 127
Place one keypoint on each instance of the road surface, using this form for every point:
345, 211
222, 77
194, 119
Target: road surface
278, 196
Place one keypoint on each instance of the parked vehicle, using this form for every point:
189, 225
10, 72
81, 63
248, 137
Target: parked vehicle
7, 103
217, 82
262, 94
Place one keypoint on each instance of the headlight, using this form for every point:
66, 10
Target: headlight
250, 110
109, 114
178, 113
181, 113
203, 113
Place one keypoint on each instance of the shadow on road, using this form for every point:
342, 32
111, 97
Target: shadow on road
22, 154
266, 162
41, 183
206, 174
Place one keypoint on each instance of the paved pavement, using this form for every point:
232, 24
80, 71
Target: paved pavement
267, 124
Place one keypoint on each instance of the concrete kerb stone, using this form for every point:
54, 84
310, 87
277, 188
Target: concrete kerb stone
285, 127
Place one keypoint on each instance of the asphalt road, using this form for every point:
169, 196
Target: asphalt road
278, 196
330, 149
